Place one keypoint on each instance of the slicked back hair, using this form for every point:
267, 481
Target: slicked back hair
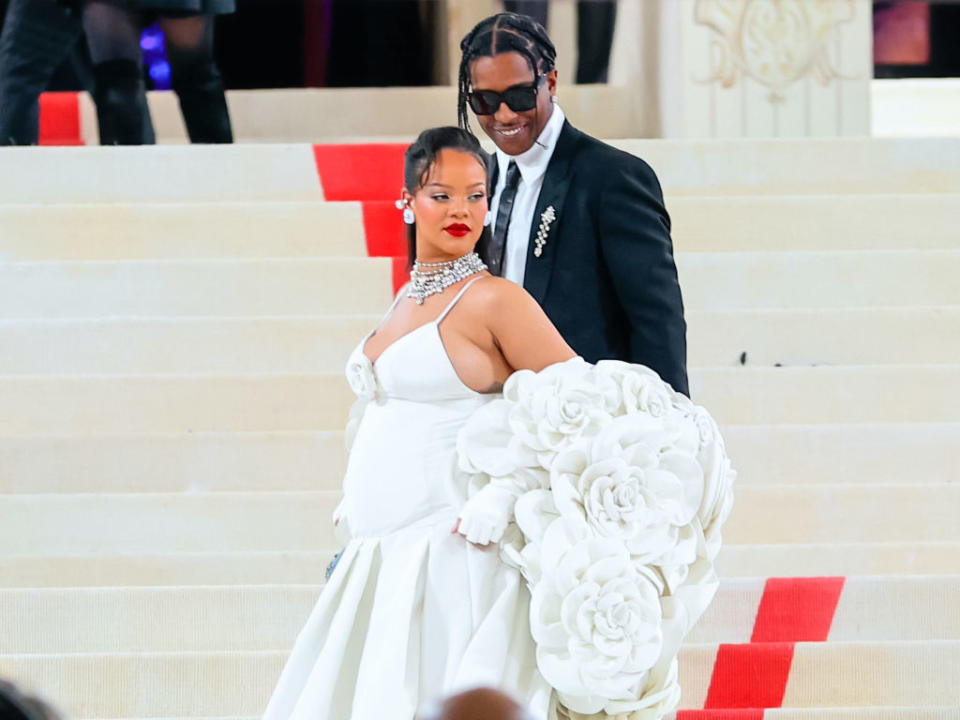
418, 161
501, 33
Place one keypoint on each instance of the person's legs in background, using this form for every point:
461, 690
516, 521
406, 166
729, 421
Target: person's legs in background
595, 23
196, 78
38, 35
113, 34
537, 9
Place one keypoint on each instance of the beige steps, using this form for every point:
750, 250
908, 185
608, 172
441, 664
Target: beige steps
125, 346
188, 345
765, 455
172, 462
118, 404
714, 281
844, 454
814, 222
117, 568
301, 521
839, 558
282, 172
808, 280
804, 166
238, 684
834, 675
264, 617
202, 230
302, 229
830, 395
155, 174
303, 287
859, 336
893, 608
195, 287
52, 405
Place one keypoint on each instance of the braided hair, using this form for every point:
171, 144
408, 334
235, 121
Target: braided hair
501, 33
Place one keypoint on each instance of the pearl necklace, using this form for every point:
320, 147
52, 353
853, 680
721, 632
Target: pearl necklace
431, 278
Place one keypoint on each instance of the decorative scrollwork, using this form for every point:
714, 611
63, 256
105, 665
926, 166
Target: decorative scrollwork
775, 42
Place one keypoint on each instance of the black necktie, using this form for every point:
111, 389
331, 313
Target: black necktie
503, 219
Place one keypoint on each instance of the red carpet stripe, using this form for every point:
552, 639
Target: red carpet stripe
60, 119
384, 229
791, 610
743, 714
753, 675
360, 172
797, 609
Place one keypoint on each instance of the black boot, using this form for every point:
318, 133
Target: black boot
120, 95
203, 102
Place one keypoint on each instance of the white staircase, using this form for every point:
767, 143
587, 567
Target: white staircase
173, 327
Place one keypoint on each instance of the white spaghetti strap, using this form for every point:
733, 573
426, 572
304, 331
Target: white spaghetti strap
456, 300
396, 301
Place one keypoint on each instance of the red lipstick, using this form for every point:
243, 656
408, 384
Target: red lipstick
457, 230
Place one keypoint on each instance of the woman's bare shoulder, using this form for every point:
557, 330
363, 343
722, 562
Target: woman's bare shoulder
493, 292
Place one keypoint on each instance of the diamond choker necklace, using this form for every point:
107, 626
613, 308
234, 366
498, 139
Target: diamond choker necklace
428, 279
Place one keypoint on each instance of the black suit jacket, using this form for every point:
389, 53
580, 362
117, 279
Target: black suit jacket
606, 275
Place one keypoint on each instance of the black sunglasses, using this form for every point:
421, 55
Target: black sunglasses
518, 98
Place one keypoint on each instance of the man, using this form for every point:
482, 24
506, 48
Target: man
581, 225
38, 36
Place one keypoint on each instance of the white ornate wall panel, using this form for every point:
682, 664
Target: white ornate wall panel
747, 68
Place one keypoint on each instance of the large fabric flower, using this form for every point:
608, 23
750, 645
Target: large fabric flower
630, 484
553, 409
595, 619
623, 486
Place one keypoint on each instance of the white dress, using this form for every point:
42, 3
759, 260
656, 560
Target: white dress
412, 612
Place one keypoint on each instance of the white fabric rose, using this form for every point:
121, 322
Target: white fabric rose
630, 485
553, 409
595, 619
361, 377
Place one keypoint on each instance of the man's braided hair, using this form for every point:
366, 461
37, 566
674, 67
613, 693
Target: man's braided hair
504, 32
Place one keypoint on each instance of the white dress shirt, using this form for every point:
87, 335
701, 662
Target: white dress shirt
533, 166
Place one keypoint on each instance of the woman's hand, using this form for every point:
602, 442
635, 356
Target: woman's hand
485, 516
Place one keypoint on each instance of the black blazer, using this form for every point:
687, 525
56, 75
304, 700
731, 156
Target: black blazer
606, 275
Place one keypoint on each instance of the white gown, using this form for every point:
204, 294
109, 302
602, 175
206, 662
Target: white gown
412, 612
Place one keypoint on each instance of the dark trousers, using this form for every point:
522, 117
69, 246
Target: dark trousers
38, 36
595, 23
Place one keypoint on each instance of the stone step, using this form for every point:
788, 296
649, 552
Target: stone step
143, 231
149, 404
172, 462
187, 345
814, 222
819, 280
120, 569
198, 230
240, 684
766, 455
195, 287
128, 346
844, 454
281, 172
269, 617
714, 281
156, 523
53, 405
859, 336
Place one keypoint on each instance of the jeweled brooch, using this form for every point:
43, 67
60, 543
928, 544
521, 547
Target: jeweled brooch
546, 220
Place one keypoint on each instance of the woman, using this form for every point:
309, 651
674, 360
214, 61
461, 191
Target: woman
417, 605
518, 518
113, 33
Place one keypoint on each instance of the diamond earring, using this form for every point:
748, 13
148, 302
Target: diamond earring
408, 216
488, 219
